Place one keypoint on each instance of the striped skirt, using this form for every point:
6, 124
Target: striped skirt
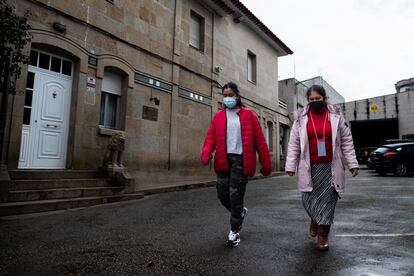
320, 203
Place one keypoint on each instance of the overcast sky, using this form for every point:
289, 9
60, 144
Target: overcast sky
361, 47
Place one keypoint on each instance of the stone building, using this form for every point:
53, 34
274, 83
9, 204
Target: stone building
148, 70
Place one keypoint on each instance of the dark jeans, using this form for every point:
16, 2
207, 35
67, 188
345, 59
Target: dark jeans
231, 186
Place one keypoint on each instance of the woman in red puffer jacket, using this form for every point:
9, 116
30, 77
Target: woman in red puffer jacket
235, 135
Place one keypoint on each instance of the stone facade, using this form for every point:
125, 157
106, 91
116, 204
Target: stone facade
147, 43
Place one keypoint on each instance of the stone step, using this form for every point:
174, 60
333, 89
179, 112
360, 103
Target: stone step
53, 174
26, 207
44, 184
61, 193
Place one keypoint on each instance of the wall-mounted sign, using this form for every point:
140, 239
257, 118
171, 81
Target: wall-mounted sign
374, 107
149, 113
91, 84
92, 61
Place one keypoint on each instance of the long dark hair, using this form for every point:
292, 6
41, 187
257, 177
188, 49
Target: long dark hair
235, 89
318, 89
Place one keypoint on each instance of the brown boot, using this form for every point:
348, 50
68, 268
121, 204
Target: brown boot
313, 229
323, 233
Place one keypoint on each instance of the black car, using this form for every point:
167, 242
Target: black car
394, 158
396, 141
363, 154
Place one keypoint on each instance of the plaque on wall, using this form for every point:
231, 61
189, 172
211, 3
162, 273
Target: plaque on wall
92, 61
149, 113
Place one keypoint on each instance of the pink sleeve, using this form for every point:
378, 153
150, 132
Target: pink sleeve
293, 153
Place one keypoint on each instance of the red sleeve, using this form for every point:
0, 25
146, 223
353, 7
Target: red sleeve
209, 144
261, 147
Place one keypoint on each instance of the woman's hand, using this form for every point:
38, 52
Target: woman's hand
291, 173
354, 172
205, 162
265, 171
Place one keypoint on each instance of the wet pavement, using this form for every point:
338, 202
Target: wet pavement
183, 233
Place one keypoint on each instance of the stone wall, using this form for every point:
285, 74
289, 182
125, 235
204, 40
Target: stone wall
143, 40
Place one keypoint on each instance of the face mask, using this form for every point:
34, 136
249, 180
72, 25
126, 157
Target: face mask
230, 102
317, 105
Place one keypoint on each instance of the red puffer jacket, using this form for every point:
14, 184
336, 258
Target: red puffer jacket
252, 140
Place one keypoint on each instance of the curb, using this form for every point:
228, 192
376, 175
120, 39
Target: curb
197, 185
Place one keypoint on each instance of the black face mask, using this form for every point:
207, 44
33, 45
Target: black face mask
317, 105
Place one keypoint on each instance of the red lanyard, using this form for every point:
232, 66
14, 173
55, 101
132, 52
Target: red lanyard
314, 128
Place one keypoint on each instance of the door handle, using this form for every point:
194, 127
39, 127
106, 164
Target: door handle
52, 126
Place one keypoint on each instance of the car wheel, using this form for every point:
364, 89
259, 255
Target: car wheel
401, 170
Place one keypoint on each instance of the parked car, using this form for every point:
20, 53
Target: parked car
363, 154
396, 141
393, 158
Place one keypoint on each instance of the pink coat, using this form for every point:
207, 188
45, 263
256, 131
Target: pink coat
298, 157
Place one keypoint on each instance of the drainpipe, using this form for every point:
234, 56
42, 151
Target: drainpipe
172, 92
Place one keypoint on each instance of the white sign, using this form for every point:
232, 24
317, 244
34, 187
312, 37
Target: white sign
91, 84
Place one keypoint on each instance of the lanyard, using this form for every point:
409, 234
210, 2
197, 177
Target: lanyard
314, 128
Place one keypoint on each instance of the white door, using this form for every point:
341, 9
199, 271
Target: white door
45, 132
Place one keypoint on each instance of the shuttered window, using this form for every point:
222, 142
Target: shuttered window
197, 31
251, 67
111, 100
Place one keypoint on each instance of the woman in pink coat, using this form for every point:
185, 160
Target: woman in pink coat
320, 146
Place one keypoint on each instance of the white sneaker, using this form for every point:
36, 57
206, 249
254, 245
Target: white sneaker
244, 212
233, 239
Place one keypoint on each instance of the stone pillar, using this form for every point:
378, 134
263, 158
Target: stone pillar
175, 80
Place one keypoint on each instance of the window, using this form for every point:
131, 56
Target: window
269, 135
28, 98
49, 62
111, 100
197, 31
251, 67
282, 140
